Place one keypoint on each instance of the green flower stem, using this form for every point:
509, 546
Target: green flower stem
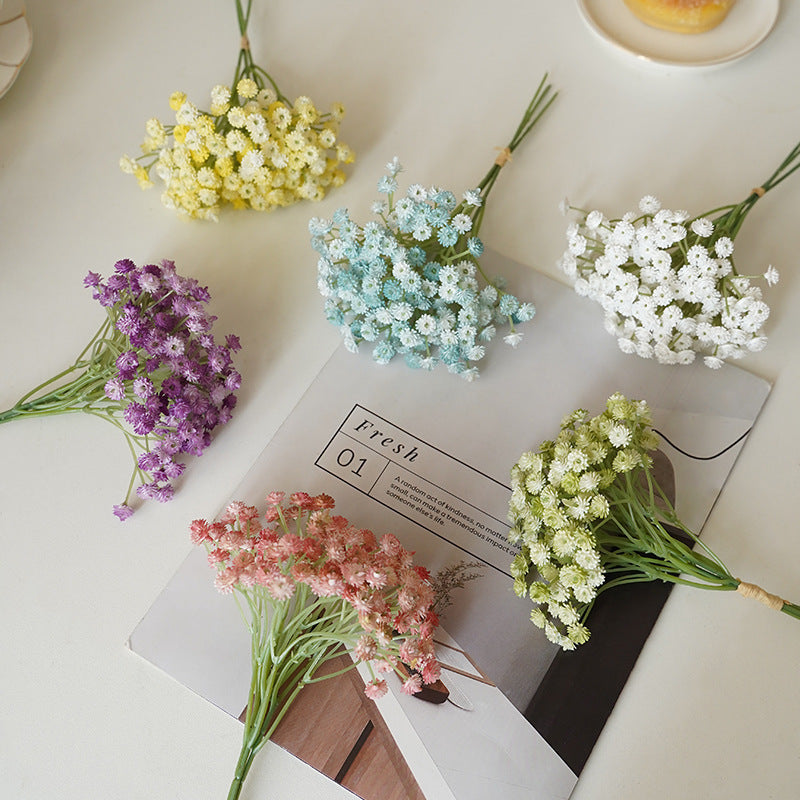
77, 395
245, 66
540, 102
290, 640
636, 547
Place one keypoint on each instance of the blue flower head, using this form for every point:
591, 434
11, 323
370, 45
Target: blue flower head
447, 236
340, 217
475, 246
387, 185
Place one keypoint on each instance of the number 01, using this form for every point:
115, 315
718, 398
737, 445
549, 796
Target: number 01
346, 458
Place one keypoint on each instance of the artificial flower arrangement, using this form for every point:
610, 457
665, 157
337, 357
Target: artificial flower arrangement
153, 370
667, 281
311, 586
409, 282
589, 515
254, 148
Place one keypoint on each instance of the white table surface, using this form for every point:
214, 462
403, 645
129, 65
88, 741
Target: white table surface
711, 709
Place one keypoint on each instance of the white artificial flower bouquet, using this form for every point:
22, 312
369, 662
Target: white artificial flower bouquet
667, 280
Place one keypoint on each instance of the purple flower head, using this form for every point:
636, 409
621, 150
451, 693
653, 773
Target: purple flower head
174, 469
149, 282
114, 389
202, 294
190, 371
233, 342
139, 418
173, 346
164, 493
197, 324
124, 265
106, 297
129, 321
181, 305
218, 394
147, 491
142, 387
91, 279
154, 269
172, 386
164, 321
127, 363
149, 461
219, 358
170, 445
233, 381
117, 282
156, 404
123, 511
180, 409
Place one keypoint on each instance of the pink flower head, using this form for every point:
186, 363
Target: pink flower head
232, 540
225, 580
281, 587
375, 689
335, 549
409, 651
218, 555
366, 648
237, 510
273, 514
327, 582
412, 684
390, 545
275, 498
302, 500
354, 572
430, 669
323, 502
198, 531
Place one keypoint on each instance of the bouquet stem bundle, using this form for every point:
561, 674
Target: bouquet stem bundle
411, 282
668, 283
152, 369
253, 148
590, 515
311, 586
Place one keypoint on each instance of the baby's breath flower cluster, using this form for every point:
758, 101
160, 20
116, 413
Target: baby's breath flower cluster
410, 283
589, 515
254, 148
667, 281
316, 585
153, 370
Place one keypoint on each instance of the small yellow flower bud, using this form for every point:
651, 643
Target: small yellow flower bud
176, 100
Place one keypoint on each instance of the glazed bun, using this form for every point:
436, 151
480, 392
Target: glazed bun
681, 16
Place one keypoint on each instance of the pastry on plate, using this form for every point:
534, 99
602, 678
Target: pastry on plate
681, 16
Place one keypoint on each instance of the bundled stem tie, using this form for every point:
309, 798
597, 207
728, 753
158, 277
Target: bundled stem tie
751, 590
244, 44
503, 157
760, 191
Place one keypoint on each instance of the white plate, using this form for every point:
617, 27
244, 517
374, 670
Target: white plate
16, 40
747, 25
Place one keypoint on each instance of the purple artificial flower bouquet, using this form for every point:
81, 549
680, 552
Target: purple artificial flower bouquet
153, 370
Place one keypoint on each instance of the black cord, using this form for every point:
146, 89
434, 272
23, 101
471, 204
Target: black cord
703, 458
